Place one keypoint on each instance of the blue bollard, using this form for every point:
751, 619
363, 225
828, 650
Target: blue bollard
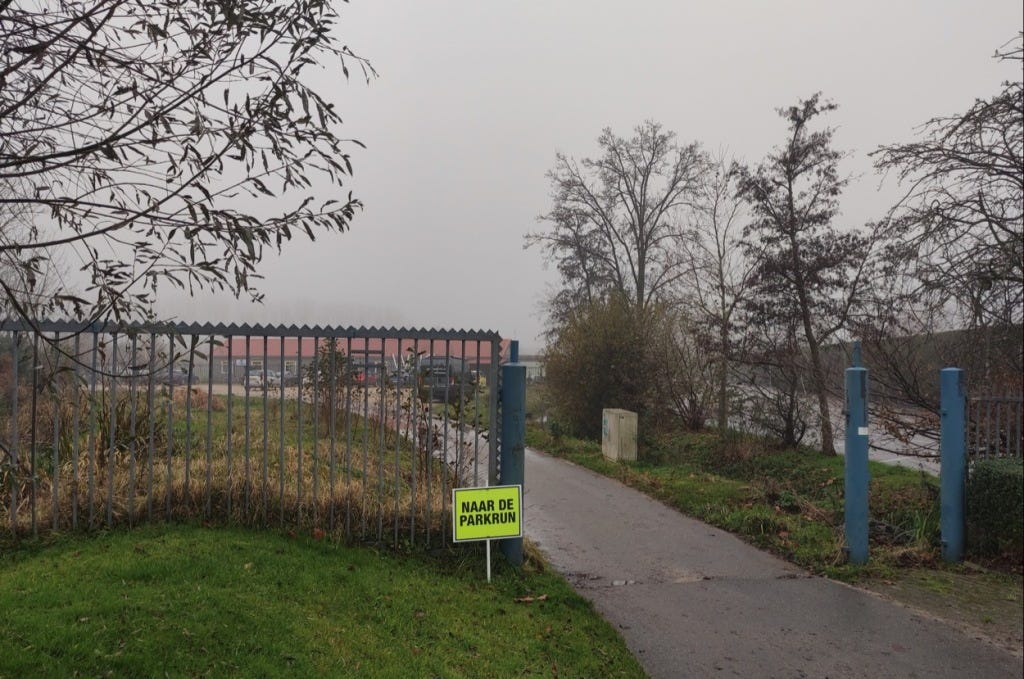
856, 465
952, 458
513, 439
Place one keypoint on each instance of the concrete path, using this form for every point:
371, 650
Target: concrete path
693, 601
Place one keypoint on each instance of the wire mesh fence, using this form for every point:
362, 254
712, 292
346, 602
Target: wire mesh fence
355, 432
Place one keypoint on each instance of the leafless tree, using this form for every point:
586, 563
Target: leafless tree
951, 293
719, 273
616, 219
958, 232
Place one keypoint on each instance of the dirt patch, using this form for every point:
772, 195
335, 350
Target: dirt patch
984, 604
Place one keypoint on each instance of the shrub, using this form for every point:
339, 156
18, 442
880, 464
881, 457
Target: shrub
995, 507
609, 355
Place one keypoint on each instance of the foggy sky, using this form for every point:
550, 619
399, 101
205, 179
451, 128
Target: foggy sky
475, 97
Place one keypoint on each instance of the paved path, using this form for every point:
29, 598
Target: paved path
693, 601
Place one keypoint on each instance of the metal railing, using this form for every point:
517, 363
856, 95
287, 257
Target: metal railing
994, 427
333, 430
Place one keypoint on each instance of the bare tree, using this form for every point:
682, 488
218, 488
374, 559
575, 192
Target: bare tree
163, 143
958, 232
808, 272
616, 219
951, 293
719, 272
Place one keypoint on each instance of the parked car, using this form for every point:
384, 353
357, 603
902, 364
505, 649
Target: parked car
290, 379
444, 378
253, 379
272, 379
177, 378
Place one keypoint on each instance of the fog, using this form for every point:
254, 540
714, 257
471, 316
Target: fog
473, 100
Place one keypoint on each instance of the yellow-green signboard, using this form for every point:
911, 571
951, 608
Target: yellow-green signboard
487, 513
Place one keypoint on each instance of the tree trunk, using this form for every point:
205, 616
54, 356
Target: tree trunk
818, 375
723, 382
828, 446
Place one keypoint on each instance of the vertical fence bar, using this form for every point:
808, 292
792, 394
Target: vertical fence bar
398, 435
111, 456
230, 427
366, 438
33, 443
476, 417
381, 448
298, 418
151, 443
428, 417
15, 434
188, 420
208, 490
247, 383
493, 432
56, 378
347, 374
460, 415
280, 429
133, 395
857, 475
91, 451
169, 482
952, 470
513, 440
332, 431
414, 398
265, 460
76, 431
314, 382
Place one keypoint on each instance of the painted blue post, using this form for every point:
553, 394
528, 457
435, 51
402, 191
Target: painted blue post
513, 438
857, 474
952, 458
855, 359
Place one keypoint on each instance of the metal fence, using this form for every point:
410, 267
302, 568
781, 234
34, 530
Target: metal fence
994, 427
335, 430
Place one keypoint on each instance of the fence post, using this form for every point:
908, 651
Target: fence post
857, 476
513, 438
952, 459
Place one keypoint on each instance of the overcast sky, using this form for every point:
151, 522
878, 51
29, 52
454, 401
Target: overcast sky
474, 98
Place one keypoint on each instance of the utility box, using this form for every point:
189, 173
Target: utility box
618, 434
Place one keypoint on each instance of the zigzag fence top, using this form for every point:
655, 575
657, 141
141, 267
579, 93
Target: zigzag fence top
245, 329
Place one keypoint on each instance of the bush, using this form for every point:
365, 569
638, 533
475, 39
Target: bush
607, 355
995, 508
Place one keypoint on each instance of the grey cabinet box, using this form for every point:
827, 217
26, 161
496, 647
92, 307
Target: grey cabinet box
618, 434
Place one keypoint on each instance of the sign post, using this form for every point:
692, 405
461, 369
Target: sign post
487, 513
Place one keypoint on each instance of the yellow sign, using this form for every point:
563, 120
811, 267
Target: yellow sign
487, 513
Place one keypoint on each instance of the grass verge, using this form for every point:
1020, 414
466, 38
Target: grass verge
178, 600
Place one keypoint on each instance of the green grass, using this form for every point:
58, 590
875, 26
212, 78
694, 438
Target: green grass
179, 600
788, 501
